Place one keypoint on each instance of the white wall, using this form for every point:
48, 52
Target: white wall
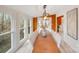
74, 44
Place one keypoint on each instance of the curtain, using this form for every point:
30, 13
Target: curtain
59, 22
34, 23
53, 17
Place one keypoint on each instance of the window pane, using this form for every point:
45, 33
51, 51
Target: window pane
21, 33
5, 42
5, 37
21, 23
28, 26
5, 23
21, 29
1, 16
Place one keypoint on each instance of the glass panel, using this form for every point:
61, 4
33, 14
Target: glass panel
5, 23
21, 34
5, 26
28, 26
1, 22
21, 23
21, 29
5, 42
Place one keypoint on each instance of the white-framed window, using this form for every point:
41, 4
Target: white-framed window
5, 32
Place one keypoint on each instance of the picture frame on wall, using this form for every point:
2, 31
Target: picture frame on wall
72, 23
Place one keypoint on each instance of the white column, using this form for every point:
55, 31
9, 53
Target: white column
39, 25
31, 25
50, 24
26, 28
15, 35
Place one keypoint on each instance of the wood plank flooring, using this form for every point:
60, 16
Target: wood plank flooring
45, 45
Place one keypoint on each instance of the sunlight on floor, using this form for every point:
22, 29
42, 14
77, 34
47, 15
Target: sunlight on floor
26, 48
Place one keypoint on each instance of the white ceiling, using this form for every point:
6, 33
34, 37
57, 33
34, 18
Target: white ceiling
37, 10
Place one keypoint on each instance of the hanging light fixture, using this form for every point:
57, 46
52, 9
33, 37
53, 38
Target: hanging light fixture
44, 31
44, 7
45, 14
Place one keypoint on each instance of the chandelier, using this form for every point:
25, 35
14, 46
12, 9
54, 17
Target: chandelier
45, 14
44, 25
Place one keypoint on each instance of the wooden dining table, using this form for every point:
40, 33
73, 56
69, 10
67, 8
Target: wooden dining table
45, 44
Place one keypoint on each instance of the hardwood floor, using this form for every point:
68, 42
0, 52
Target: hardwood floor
45, 45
